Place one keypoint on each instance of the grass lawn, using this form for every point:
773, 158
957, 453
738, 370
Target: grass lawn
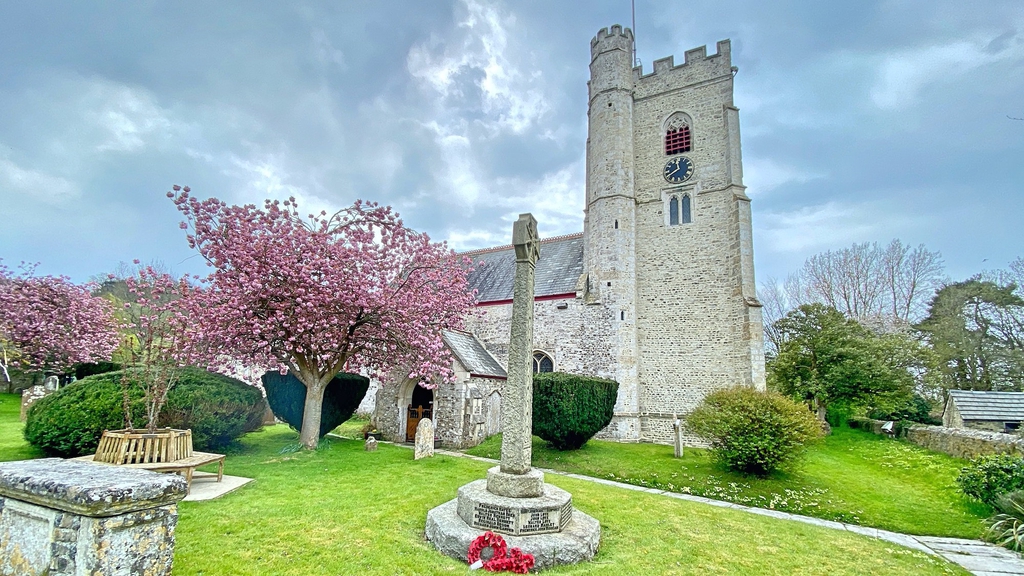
12, 443
341, 510
852, 476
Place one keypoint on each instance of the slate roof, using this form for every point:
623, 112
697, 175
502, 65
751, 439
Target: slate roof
993, 406
558, 269
472, 354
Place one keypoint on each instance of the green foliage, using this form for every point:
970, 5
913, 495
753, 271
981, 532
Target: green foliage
976, 329
753, 432
91, 369
287, 398
218, 409
989, 477
569, 409
826, 358
1007, 529
914, 409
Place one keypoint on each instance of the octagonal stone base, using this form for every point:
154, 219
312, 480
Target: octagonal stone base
577, 542
482, 509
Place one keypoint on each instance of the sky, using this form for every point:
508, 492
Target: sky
861, 121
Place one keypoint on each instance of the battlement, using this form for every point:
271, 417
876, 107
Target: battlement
615, 37
696, 58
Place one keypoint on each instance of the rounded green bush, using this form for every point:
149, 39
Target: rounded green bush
753, 432
287, 398
216, 408
989, 477
569, 409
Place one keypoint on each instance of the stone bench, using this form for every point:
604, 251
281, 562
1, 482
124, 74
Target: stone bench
72, 518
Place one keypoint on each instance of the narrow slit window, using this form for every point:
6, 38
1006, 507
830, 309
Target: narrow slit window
673, 211
677, 140
686, 210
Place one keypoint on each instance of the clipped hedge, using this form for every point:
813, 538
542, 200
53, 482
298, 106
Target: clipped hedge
569, 409
217, 408
287, 398
753, 432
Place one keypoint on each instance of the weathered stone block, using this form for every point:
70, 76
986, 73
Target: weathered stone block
66, 517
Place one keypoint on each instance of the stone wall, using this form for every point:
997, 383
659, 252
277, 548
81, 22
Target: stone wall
959, 442
71, 518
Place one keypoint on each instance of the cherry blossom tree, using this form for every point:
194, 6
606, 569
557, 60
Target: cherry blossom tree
158, 339
48, 323
353, 291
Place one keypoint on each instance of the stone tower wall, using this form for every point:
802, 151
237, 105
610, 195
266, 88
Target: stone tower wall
698, 321
610, 222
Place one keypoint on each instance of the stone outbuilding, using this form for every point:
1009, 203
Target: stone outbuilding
991, 411
463, 413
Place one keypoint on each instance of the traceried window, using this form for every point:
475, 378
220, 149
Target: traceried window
542, 363
677, 134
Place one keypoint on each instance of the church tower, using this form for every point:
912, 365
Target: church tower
668, 244
609, 226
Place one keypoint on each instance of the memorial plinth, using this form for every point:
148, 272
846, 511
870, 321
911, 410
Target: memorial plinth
514, 500
71, 518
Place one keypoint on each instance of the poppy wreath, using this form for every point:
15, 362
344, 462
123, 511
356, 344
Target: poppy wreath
502, 559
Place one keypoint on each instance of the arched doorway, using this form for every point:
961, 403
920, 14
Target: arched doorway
420, 406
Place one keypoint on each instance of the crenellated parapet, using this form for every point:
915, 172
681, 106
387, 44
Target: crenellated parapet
614, 38
697, 67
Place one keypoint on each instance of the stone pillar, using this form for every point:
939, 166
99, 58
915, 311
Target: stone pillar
73, 518
677, 427
517, 397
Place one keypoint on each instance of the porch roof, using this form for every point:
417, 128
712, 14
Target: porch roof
472, 354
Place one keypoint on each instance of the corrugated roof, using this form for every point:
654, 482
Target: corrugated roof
558, 269
472, 354
995, 406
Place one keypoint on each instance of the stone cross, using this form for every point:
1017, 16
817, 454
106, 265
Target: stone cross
517, 400
424, 439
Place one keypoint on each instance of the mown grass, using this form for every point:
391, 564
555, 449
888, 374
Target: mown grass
12, 443
342, 510
852, 476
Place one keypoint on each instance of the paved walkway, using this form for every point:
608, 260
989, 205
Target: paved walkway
977, 557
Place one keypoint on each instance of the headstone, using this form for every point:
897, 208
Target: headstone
424, 439
51, 383
30, 396
677, 426
73, 518
371, 444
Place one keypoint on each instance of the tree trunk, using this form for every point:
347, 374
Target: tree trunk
309, 436
819, 409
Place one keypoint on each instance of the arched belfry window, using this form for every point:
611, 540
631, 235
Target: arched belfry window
542, 362
685, 207
673, 211
677, 134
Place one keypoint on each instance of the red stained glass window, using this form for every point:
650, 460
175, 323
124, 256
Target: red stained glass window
677, 141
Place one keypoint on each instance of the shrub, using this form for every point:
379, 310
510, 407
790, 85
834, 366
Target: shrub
93, 368
287, 398
989, 477
753, 432
569, 409
69, 422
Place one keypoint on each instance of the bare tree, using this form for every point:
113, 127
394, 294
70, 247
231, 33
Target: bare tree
775, 305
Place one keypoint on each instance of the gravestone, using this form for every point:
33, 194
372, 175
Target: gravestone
73, 518
51, 383
371, 444
424, 439
514, 500
30, 396
677, 428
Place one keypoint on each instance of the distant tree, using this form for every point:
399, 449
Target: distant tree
874, 284
353, 291
976, 329
827, 358
48, 323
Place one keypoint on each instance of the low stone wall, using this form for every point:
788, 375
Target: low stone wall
959, 442
71, 518
30, 396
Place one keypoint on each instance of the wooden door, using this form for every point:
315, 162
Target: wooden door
415, 414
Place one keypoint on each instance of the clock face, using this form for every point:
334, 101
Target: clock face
678, 169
